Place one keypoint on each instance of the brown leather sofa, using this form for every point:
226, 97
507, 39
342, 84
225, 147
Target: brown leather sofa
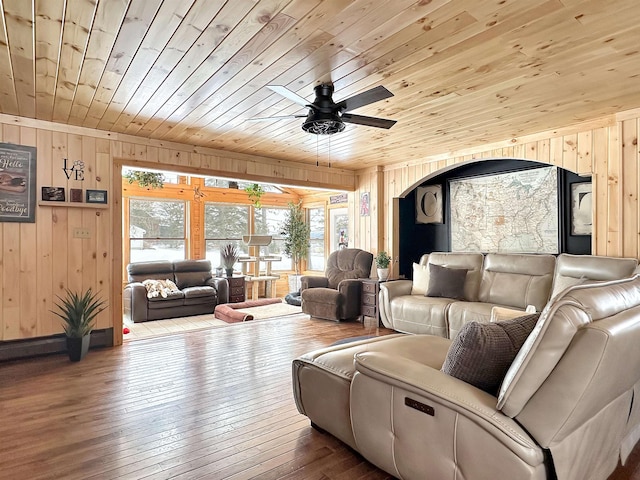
567, 407
199, 292
336, 296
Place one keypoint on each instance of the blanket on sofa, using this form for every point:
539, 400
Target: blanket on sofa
160, 288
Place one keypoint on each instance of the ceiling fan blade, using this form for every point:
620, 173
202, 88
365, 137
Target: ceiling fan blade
283, 117
365, 98
285, 92
369, 121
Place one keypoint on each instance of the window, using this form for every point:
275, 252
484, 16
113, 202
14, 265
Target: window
156, 230
219, 182
159, 226
167, 177
239, 184
224, 223
316, 249
269, 221
339, 229
171, 177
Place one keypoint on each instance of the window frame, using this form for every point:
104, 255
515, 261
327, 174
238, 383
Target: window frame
185, 225
325, 255
278, 238
194, 193
233, 240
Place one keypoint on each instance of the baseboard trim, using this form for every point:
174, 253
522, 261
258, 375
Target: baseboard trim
35, 347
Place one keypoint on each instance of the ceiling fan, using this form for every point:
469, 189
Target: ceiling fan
327, 117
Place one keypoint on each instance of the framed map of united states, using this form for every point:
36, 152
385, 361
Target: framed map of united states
515, 212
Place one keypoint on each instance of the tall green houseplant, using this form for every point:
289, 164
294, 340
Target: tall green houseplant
297, 235
78, 311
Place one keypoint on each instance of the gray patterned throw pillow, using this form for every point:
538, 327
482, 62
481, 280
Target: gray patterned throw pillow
482, 353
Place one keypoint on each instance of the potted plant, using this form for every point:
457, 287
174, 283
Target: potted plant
78, 312
255, 192
382, 260
229, 256
297, 234
145, 179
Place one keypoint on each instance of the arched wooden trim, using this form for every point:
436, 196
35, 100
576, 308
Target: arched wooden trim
455, 166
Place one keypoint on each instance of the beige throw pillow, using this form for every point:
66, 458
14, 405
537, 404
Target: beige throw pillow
498, 314
420, 279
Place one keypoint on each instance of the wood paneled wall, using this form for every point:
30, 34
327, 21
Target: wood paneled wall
40, 260
606, 149
368, 233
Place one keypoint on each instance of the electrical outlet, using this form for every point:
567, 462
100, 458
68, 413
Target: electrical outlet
81, 233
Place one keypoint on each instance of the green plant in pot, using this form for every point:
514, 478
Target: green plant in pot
255, 192
297, 239
145, 179
229, 255
78, 312
382, 260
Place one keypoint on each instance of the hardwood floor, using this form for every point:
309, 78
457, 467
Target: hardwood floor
213, 404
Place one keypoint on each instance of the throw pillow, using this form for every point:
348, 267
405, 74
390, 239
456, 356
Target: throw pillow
420, 279
500, 314
482, 353
446, 282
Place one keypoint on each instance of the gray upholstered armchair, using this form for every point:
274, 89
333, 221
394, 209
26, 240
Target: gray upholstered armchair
336, 296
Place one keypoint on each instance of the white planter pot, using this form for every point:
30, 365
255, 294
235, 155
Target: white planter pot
383, 274
294, 283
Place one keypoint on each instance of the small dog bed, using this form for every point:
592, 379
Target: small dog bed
227, 311
293, 298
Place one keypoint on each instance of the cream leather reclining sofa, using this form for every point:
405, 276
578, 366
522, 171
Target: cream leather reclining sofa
564, 410
515, 281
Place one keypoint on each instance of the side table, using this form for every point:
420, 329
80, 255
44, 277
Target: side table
370, 298
236, 288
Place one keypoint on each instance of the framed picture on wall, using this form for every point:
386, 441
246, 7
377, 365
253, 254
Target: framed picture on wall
17, 183
364, 204
341, 198
506, 212
581, 208
75, 195
53, 194
96, 196
429, 204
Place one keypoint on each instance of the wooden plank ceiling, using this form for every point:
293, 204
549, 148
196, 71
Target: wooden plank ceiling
464, 72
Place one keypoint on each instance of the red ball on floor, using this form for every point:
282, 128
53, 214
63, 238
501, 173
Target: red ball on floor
125, 330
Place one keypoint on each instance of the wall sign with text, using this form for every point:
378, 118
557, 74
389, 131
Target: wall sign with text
17, 183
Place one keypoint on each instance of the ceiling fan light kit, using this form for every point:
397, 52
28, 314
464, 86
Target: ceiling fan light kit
322, 123
326, 117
